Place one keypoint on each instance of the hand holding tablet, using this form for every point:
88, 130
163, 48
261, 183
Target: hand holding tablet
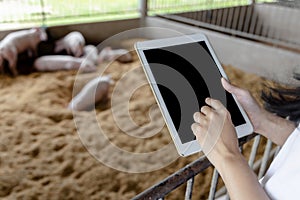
182, 72
214, 131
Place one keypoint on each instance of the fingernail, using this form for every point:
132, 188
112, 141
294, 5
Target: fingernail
195, 116
192, 127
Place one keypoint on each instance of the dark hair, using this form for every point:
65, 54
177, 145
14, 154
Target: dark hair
285, 102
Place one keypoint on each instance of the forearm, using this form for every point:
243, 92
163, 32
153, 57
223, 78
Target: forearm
277, 129
240, 180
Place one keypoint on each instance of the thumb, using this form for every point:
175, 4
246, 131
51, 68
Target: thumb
227, 86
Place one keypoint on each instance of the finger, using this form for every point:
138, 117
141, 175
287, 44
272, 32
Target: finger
232, 88
199, 118
215, 104
199, 132
205, 110
196, 128
227, 86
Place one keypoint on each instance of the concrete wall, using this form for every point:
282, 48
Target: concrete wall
93, 32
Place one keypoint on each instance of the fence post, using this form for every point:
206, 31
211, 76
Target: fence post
43, 13
143, 8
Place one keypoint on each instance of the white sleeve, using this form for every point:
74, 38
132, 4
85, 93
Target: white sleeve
283, 177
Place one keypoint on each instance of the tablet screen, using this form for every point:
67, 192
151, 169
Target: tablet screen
182, 74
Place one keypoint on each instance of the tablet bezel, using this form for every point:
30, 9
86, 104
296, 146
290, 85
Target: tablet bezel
184, 149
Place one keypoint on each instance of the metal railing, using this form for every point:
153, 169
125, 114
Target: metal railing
270, 23
14, 13
48, 12
187, 174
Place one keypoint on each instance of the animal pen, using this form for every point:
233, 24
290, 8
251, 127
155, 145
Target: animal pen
268, 28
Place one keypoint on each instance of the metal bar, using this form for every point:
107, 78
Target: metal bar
270, 33
143, 8
195, 14
259, 25
236, 15
219, 17
204, 16
178, 178
265, 159
214, 17
254, 150
225, 16
278, 21
43, 13
199, 15
257, 164
277, 151
249, 12
241, 18
230, 18
213, 185
253, 21
221, 192
265, 26
189, 189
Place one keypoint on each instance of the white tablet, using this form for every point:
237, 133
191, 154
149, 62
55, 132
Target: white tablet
182, 72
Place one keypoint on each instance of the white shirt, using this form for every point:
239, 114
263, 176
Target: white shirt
282, 180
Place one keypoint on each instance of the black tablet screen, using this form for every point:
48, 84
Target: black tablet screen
185, 76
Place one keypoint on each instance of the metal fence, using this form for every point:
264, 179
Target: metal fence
164, 7
186, 175
14, 13
274, 23
49, 12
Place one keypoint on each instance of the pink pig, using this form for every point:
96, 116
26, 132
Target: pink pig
18, 42
73, 43
63, 62
93, 92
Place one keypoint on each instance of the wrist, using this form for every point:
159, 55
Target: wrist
227, 161
221, 162
276, 128
264, 122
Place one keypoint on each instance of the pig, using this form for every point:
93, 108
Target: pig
93, 92
108, 54
19, 42
90, 52
73, 43
63, 62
